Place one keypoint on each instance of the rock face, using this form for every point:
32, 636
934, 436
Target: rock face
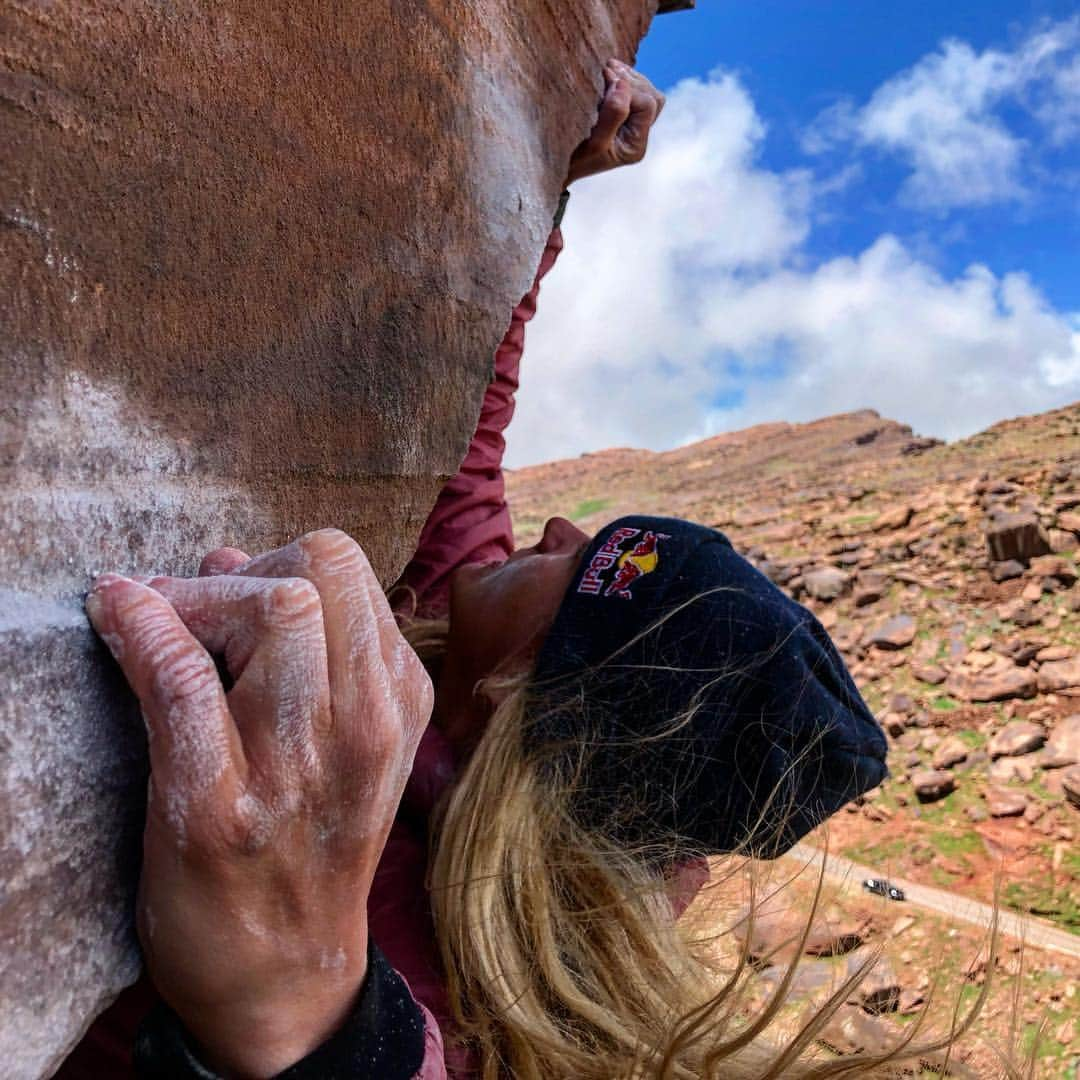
254, 261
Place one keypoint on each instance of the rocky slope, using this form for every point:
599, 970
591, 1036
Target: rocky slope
947, 576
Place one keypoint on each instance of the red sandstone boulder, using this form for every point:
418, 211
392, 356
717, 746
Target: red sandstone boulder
254, 262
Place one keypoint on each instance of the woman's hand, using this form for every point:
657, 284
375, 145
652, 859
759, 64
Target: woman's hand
270, 802
621, 136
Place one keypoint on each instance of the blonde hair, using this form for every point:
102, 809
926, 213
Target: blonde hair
563, 955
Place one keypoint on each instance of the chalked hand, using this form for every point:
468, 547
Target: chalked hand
620, 136
270, 802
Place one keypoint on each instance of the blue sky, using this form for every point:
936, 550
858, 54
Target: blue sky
845, 204
797, 57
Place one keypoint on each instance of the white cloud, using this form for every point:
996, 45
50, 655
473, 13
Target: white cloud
686, 303
947, 116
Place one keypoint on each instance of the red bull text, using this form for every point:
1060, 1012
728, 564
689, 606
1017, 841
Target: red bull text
643, 558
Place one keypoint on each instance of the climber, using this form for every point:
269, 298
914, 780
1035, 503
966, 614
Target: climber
606, 711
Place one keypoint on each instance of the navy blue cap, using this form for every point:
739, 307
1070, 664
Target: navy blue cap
693, 701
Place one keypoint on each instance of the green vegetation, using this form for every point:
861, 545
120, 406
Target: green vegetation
587, 507
859, 520
944, 703
956, 844
878, 854
1059, 905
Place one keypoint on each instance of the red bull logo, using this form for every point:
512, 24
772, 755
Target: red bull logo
643, 558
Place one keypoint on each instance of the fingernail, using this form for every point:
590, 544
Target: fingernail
106, 581
93, 607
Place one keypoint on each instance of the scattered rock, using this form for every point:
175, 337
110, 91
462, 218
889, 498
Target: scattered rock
1063, 746
895, 633
1016, 536
1016, 738
893, 519
836, 933
910, 1001
869, 588
902, 925
1007, 769
852, 1031
1032, 592
1070, 784
1054, 566
929, 673
879, 992
1059, 675
894, 724
1021, 651
998, 685
951, 752
1054, 652
902, 703
1007, 570
826, 584
1005, 802
1069, 522
932, 784
1062, 541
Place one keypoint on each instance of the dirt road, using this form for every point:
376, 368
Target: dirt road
850, 876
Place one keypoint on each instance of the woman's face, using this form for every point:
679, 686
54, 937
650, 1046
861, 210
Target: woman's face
499, 616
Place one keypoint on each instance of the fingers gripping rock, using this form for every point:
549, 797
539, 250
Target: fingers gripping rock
174, 678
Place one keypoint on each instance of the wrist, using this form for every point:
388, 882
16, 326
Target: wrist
263, 1035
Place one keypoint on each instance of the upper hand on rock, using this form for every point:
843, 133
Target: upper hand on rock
628, 111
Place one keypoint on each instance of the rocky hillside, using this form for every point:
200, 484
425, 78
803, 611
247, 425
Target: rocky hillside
947, 576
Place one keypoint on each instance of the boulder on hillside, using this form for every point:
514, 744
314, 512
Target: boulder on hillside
1062, 541
1016, 738
930, 785
1007, 570
870, 586
1063, 746
950, 752
1069, 522
1054, 566
1055, 652
1016, 536
835, 933
997, 684
929, 673
879, 991
827, 583
851, 1031
1007, 769
1005, 802
1070, 784
1059, 675
895, 633
893, 519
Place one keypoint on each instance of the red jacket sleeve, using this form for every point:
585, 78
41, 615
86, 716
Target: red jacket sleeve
470, 521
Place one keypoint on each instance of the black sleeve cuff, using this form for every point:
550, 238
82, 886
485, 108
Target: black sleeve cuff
383, 1037
564, 198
